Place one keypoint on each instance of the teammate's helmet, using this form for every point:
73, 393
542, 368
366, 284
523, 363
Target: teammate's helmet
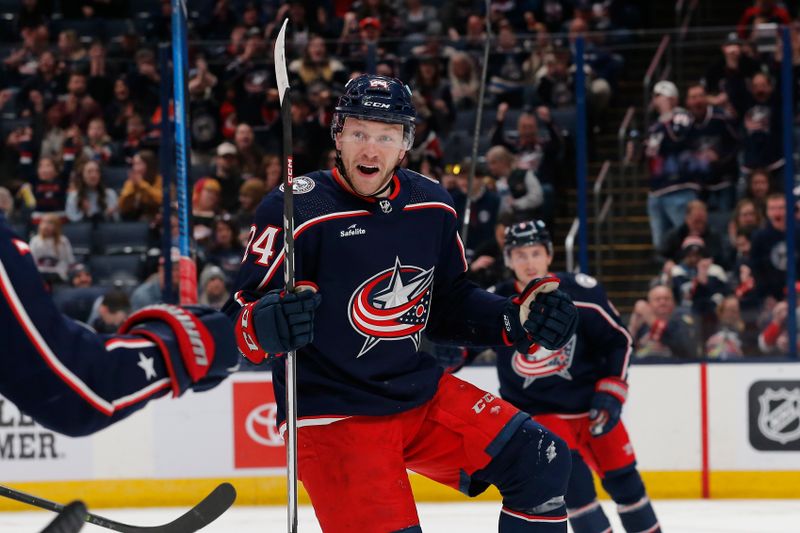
525, 234
370, 97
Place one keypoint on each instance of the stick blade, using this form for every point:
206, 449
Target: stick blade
281, 75
70, 520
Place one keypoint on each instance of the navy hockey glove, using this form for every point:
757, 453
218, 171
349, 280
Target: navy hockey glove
541, 315
197, 343
284, 321
606, 405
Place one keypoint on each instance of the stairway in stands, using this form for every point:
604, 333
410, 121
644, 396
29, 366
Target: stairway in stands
627, 263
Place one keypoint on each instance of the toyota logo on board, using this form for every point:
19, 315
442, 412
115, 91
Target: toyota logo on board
256, 440
261, 425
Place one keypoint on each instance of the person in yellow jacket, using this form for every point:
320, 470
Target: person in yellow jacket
141, 195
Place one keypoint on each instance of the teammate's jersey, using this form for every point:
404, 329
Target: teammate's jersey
387, 270
563, 381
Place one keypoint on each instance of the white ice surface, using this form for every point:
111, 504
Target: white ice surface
676, 516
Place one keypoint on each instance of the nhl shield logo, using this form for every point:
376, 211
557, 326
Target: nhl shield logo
779, 414
386, 206
392, 305
544, 363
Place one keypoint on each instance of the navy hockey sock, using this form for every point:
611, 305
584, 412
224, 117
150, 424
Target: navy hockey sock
585, 513
531, 472
634, 507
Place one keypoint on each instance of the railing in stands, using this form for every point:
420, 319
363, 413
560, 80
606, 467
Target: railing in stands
569, 244
625, 139
601, 211
655, 73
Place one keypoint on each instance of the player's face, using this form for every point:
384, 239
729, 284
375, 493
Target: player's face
530, 262
370, 152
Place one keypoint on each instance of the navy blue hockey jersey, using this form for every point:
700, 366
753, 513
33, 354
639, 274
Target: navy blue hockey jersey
563, 381
387, 270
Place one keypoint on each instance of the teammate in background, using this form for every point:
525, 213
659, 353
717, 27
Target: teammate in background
75, 381
577, 392
379, 249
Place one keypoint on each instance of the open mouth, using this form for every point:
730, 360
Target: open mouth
368, 169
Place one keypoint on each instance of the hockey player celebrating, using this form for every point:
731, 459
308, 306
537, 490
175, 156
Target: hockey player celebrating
378, 248
577, 391
74, 381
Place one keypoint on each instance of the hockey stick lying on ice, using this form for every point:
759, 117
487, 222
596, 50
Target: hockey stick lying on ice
70, 520
209, 509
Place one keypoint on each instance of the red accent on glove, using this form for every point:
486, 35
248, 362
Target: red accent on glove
246, 338
194, 341
616, 387
657, 329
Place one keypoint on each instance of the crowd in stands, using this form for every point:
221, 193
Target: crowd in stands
716, 206
80, 172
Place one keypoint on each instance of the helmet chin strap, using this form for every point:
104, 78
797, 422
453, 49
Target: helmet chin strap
343, 173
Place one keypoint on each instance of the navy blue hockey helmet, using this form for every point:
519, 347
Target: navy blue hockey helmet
370, 97
524, 234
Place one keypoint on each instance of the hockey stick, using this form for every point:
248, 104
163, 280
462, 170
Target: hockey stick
187, 267
282, 78
70, 520
476, 134
209, 509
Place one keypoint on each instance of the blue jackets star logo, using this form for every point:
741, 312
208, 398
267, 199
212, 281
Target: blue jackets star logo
543, 363
392, 305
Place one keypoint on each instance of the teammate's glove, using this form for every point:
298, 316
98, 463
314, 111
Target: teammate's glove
196, 342
606, 405
541, 315
280, 321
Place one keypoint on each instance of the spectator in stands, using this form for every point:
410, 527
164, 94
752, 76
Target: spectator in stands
764, 11
730, 340
22, 61
729, 74
48, 81
250, 194
660, 329
226, 171
768, 253
484, 206
317, 66
204, 111
695, 224
114, 309
32, 14
149, 292
98, 146
435, 91
554, 81
144, 81
712, 150
273, 171
760, 110
141, 196
602, 66
221, 21
51, 250
80, 277
225, 250
90, 200
745, 215
426, 154
382, 10
72, 55
532, 151
759, 185
135, 133
120, 109
249, 153
418, 19
309, 137
6, 204
78, 107
50, 181
212, 287
506, 77
205, 208
698, 283
462, 74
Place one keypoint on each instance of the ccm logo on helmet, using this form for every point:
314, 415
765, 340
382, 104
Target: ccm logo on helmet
377, 104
